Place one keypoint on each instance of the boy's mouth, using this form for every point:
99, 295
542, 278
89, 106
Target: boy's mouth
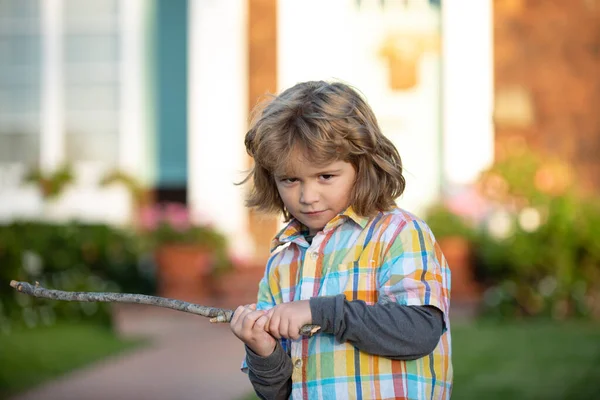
313, 213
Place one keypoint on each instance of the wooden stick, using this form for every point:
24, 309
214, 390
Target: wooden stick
215, 314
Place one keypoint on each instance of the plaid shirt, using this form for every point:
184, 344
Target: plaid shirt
393, 254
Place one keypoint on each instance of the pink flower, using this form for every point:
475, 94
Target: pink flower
177, 216
149, 218
468, 203
238, 260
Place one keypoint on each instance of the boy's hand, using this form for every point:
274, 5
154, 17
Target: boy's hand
248, 325
286, 319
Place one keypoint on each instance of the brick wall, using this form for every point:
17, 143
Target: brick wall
262, 79
547, 59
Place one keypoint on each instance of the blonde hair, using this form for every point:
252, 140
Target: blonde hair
329, 122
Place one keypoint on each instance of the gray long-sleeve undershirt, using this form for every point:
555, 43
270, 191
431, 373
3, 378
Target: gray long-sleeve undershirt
270, 376
388, 330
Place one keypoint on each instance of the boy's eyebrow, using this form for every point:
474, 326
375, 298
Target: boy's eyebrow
323, 171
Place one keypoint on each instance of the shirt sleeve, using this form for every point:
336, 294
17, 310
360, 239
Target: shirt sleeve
414, 271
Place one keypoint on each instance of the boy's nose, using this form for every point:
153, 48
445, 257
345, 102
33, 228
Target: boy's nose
309, 195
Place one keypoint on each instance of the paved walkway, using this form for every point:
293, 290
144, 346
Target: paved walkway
187, 358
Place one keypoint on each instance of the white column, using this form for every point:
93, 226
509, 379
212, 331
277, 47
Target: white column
468, 88
52, 93
132, 143
308, 41
217, 116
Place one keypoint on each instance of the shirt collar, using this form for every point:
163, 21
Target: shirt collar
294, 231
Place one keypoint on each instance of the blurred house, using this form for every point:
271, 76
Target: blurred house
162, 89
547, 81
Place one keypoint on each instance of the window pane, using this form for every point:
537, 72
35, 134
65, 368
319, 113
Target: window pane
20, 70
85, 74
86, 8
20, 8
19, 100
91, 48
90, 122
20, 76
87, 97
91, 62
19, 147
24, 50
91, 136
97, 146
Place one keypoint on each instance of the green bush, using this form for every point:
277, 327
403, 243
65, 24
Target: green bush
553, 270
539, 251
535, 237
71, 257
444, 223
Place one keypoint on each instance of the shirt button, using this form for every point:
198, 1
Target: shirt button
314, 255
298, 363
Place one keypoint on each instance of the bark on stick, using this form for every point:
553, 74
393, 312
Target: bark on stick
215, 314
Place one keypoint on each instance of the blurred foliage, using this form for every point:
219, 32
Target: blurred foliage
539, 252
133, 186
536, 243
523, 178
553, 270
53, 183
445, 223
70, 257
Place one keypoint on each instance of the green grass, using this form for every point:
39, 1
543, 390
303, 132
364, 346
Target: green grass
525, 361
29, 357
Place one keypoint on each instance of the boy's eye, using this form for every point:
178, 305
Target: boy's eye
288, 180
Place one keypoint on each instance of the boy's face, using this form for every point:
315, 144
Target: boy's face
315, 194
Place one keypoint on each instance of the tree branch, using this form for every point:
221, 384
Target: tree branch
215, 314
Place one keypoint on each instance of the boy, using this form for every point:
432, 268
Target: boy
368, 273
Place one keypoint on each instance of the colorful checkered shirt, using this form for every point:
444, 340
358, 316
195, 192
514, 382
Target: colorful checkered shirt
393, 254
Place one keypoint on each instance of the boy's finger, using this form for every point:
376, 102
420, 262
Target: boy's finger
294, 331
270, 312
261, 322
240, 316
273, 326
284, 329
236, 315
250, 318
